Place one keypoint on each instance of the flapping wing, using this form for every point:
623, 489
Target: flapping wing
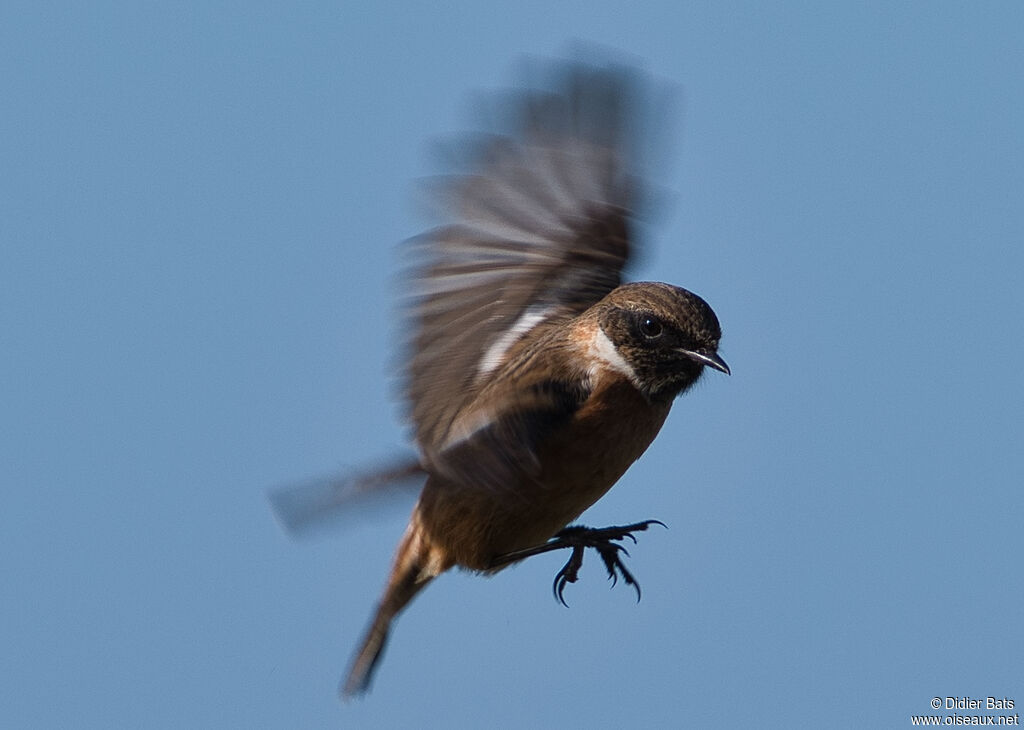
504, 436
303, 507
538, 229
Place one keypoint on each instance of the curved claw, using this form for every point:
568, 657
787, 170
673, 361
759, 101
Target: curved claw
640, 526
568, 574
630, 580
614, 567
606, 541
558, 588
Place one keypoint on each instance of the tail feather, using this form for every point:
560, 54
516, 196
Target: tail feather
416, 564
371, 650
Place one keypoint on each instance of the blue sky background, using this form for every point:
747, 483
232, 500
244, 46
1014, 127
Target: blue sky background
199, 211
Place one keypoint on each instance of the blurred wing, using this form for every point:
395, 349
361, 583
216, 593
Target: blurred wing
303, 507
539, 230
495, 443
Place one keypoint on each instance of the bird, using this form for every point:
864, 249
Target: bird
533, 375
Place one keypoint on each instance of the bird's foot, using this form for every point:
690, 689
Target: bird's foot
578, 538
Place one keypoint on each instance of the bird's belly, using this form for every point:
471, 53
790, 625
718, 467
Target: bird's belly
579, 464
584, 463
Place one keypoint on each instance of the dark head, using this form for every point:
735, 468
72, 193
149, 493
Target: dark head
666, 334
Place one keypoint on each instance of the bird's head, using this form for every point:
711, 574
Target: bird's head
664, 334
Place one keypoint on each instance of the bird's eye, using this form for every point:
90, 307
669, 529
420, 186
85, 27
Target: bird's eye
650, 327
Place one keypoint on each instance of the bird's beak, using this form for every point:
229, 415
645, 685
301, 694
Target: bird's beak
711, 359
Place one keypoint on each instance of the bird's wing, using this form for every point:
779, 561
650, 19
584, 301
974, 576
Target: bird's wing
303, 507
496, 441
538, 229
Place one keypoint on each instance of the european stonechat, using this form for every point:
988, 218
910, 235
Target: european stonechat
534, 377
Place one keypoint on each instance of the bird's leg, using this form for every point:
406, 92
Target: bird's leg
578, 538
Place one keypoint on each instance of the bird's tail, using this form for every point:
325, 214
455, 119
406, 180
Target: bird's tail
417, 562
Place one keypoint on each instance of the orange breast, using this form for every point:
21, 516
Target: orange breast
611, 431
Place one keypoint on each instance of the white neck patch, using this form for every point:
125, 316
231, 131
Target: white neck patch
601, 348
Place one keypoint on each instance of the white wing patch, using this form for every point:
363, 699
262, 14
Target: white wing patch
463, 430
496, 352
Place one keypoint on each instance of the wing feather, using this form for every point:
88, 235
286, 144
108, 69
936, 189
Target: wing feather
538, 227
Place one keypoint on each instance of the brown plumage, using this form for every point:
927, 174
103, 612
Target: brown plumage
535, 379
571, 407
